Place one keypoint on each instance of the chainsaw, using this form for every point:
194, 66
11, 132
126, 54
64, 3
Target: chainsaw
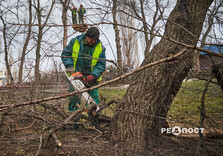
76, 80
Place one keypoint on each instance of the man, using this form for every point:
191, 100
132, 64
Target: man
85, 54
81, 12
74, 14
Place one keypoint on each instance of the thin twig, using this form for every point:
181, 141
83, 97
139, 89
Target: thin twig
19, 129
40, 144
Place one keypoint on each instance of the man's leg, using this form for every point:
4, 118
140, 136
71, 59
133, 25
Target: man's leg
79, 19
73, 100
83, 20
75, 19
94, 95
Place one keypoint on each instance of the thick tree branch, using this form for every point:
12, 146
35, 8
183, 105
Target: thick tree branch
168, 59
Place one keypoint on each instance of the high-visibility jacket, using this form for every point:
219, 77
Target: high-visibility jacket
81, 11
97, 66
74, 12
95, 57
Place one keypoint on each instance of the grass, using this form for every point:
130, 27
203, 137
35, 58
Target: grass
184, 109
111, 93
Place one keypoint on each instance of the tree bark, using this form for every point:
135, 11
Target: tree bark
141, 112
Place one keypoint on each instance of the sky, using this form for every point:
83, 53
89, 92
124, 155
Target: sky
107, 35
107, 38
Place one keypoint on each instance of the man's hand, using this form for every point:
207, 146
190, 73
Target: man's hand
89, 79
77, 75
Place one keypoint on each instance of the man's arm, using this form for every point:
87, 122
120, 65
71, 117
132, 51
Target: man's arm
66, 55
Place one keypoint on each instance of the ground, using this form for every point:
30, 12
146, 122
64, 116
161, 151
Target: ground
90, 142
24, 130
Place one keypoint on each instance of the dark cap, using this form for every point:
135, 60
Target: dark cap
93, 33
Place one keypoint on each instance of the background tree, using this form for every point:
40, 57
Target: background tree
26, 43
9, 33
41, 25
213, 19
149, 15
209, 23
9, 74
153, 89
117, 34
141, 112
65, 5
129, 42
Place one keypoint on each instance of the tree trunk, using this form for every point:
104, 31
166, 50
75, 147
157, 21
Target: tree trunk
64, 20
40, 35
141, 112
37, 62
128, 40
9, 77
26, 44
39, 39
117, 38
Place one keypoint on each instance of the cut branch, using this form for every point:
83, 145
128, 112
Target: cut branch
168, 59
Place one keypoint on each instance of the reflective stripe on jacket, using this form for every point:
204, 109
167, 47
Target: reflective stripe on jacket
95, 57
74, 12
81, 10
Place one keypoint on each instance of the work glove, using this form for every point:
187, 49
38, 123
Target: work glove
77, 75
89, 79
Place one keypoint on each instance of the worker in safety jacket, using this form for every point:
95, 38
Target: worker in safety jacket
81, 12
85, 54
74, 14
